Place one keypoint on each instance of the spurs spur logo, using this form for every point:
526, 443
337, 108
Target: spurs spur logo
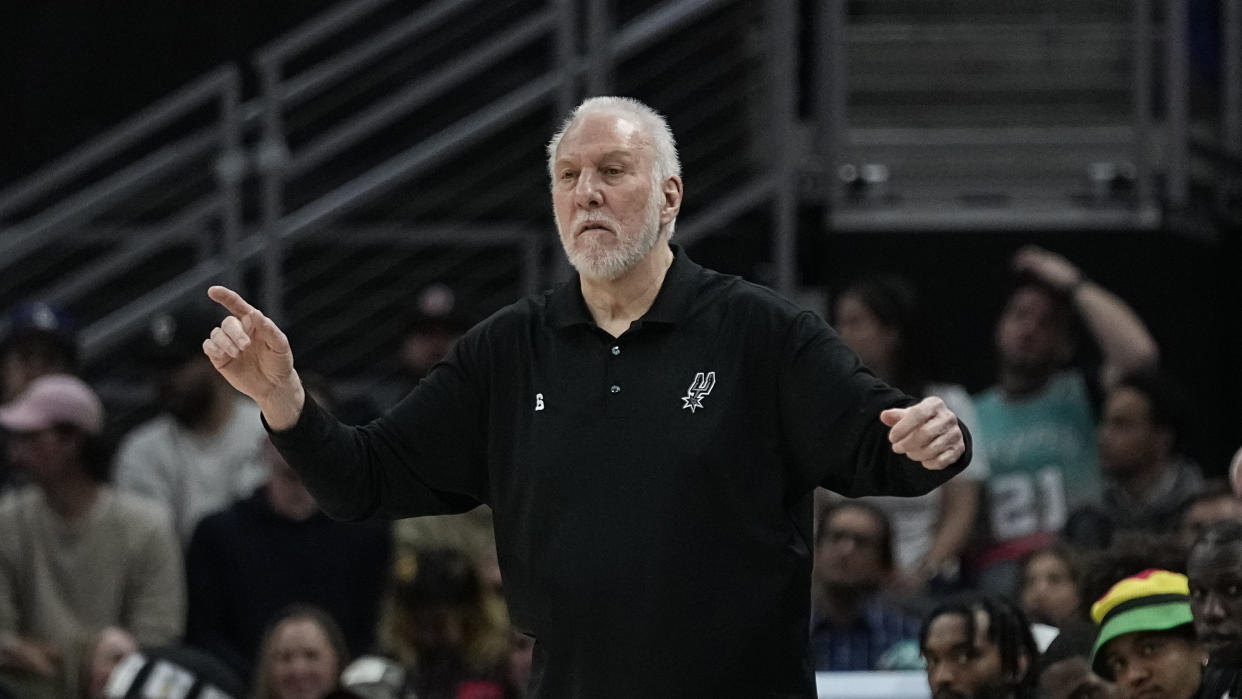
702, 385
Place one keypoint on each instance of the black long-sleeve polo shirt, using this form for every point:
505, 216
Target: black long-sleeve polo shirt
651, 492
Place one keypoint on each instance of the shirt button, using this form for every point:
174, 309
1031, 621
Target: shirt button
615, 388
616, 350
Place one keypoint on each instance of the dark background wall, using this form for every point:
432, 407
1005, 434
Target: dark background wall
70, 69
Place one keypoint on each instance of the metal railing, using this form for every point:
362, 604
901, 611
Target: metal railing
120, 181
298, 145
354, 151
1058, 112
405, 146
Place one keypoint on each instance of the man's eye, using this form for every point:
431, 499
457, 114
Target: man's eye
567, 174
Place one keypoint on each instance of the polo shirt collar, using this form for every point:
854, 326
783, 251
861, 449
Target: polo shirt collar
566, 307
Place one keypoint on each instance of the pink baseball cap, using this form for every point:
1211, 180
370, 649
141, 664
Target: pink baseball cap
51, 400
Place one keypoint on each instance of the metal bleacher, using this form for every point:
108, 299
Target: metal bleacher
388, 145
967, 114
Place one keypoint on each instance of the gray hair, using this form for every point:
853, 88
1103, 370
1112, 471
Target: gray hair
664, 149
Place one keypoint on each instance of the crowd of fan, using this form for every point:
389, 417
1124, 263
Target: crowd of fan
1082, 554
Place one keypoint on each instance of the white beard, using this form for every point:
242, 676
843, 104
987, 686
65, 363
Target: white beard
594, 260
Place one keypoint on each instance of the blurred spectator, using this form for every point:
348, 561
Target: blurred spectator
273, 549
1214, 502
76, 554
301, 656
1037, 422
1049, 591
430, 331
201, 454
1146, 642
442, 627
469, 532
39, 341
880, 319
1215, 581
852, 627
1064, 669
1147, 479
979, 647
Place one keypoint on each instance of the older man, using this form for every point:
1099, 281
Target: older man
648, 435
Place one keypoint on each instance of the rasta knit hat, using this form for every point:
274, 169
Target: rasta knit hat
1153, 600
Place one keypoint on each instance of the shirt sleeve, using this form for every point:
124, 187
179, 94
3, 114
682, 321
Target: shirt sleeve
425, 456
830, 406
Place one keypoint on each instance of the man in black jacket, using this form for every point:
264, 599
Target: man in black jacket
1215, 573
648, 436
232, 593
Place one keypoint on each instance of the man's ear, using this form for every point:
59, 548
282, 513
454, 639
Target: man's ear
672, 191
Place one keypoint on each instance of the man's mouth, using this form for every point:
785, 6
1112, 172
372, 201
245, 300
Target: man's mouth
593, 226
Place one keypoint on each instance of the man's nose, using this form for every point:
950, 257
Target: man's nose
1212, 607
939, 676
586, 191
1133, 675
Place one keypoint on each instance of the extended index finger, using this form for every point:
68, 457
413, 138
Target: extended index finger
231, 300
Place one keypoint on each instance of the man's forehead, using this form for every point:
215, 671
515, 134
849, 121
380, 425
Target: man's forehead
571, 155
613, 133
1216, 559
950, 629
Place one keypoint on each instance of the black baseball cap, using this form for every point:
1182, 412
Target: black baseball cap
176, 336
